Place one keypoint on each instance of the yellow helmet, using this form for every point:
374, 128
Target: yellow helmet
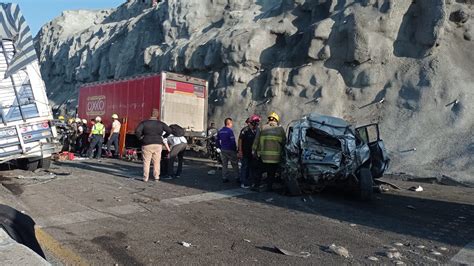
60, 117
70, 121
115, 116
274, 116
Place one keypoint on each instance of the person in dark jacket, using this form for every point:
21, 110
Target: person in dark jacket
228, 150
150, 133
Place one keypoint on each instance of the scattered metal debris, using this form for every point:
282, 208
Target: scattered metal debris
393, 255
409, 150
443, 248
185, 244
372, 258
416, 189
302, 254
420, 246
338, 250
436, 253
398, 244
248, 241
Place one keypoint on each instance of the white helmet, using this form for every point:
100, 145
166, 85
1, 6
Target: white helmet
78, 120
98, 119
84, 121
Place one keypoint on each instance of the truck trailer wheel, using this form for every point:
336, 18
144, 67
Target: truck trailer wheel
45, 163
28, 164
366, 184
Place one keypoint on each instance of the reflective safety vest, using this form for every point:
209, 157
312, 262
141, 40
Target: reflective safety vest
98, 129
269, 143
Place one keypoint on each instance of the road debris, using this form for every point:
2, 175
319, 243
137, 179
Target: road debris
248, 241
416, 189
398, 244
411, 207
420, 246
127, 247
211, 172
302, 254
353, 225
399, 262
372, 258
443, 248
382, 182
393, 254
436, 253
269, 200
338, 250
185, 244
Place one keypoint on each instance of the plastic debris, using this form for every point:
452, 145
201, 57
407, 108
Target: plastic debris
186, 244
211, 172
398, 244
420, 246
443, 248
302, 254
339, 250
372, 258
417, 189
353, 225
248, 241
411, 207
436, 253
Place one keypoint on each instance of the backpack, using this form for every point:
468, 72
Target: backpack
177, 130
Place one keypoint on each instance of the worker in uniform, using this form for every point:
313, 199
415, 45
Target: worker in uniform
84, 138
268, 149
176, 145
150, 133
114, 136
80, 132
246, 140
228, 149
96, 138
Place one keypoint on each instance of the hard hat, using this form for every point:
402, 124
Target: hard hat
84, 121
274, 116
254, 118
70, 120
61, 117
98, 119
115, 116
78, 120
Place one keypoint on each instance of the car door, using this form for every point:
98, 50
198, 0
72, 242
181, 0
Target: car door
379, 159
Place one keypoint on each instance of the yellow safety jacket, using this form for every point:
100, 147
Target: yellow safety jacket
269, 143
98, 129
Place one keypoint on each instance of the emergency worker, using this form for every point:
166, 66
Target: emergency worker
114, 136
96, 138
268, 148
246, 140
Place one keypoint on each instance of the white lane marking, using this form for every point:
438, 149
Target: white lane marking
89, 215
465, 256
206, 196
112, 212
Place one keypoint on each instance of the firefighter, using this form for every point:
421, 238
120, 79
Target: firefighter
96, 138
84, 138
114, 136
246, 140
268, 148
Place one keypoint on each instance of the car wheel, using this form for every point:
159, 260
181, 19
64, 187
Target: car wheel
366, 184
45, 163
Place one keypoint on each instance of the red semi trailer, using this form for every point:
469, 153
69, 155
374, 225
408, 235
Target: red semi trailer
181, 100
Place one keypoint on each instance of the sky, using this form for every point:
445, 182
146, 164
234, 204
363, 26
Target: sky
40, 12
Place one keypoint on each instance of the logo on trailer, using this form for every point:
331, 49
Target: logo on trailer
96, 105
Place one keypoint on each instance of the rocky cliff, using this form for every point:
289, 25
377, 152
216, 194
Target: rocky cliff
406, 64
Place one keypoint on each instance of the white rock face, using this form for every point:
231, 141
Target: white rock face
337, 57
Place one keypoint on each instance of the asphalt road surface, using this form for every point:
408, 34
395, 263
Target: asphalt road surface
97, 212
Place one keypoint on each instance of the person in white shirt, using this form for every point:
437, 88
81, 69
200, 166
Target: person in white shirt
114, 136
176, 147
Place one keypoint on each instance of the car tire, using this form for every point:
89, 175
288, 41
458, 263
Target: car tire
45, 163
366, 183
27, 164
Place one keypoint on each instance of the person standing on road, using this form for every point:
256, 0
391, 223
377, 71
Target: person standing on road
268, 148
150, 133
114, 136
228, 150
176, 144
246, 139
96, 137
84, 138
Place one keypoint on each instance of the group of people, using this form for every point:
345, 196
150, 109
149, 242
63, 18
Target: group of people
86, 139
259, 149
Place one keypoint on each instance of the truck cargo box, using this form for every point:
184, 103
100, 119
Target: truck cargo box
181, 100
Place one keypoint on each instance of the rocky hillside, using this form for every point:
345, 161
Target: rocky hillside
407, 64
